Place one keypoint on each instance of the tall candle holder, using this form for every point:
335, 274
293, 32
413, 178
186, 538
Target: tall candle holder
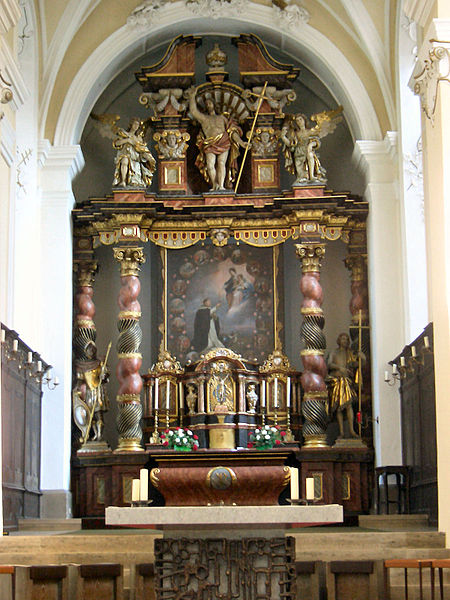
289, 436
167, 418
155, 439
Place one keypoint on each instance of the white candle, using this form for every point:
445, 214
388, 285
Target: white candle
394, 369
15, 345
30, 357
310, 488
294, 483
155, 400
39, 366
402, 361
56, 380
413, 351
426, 341
3, 335
288, 393
135, 486
180, 393
386, 376
143, 479
275, 392
167, 395
263, 394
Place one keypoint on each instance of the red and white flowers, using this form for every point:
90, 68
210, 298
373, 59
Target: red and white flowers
266, 437
180, 439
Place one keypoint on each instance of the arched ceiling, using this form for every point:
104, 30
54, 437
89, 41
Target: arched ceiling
347, 44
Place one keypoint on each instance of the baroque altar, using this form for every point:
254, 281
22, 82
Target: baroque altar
198, 220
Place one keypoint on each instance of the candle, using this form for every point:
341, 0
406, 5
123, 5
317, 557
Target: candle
30, 357
386, 376
294, 483
56, 380
15, 345
180, 393
39, 366
167, 394
263, 394
275, 392
310, 488
402, 361
135, 487
288, 393
155, 400
143, 480
394, 369
3, 335
426, 341
413, 351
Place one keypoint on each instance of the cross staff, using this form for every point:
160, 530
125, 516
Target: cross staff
261, 98
91, 416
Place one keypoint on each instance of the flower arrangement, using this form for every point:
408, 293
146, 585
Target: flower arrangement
266, 437
180, 439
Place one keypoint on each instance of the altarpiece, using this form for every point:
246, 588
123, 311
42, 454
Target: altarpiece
200, 180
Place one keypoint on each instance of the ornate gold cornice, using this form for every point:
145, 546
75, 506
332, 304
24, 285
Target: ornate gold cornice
310, 254
129, 258
275, 362
85, 271
166, 364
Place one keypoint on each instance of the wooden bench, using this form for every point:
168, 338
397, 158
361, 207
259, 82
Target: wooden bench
408, 563
102, 581
355, 579
49, 582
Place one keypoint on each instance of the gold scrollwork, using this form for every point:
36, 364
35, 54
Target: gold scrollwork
154, 477
130, 260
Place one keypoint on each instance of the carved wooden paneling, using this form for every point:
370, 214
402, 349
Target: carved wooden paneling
21, 443
418, 407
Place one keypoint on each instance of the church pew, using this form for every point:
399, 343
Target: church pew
405, 564
144, 582
102, 581
355, 579
308, 576
49, 582
7, 582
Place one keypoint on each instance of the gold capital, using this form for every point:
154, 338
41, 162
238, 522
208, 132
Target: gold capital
129, 259
310, 255
85, 271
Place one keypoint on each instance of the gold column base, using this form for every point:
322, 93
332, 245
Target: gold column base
316, 441
129, 445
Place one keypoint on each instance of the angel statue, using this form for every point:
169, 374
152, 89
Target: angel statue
134, 163
218, 143
300, 144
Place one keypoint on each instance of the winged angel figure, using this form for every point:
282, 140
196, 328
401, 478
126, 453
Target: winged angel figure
300, 144
134, 163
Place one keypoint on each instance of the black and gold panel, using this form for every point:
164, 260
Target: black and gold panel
214, 569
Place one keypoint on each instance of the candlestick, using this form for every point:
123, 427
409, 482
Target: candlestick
143, 480
15, 345
167, 395
56, 380
275, 392
155, 399
426, 341
386, 375
135, 490
180, 394
294, 483
288, 393
310, 488
39, 366
413, 351
394, 369
29, 357
402, 361
263, 395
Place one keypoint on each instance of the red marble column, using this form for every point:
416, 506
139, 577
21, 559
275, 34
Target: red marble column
130, 360
315, 399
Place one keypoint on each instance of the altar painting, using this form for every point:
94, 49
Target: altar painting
220, 296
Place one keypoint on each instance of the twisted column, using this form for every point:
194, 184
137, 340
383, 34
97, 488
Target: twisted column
356, 264
315, 399
130, 360
85, 332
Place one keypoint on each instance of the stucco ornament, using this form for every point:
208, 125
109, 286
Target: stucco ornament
217, 8
292, 15
146, 13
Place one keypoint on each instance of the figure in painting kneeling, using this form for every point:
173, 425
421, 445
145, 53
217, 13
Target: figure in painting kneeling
89, 397
218, 143
343, 373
